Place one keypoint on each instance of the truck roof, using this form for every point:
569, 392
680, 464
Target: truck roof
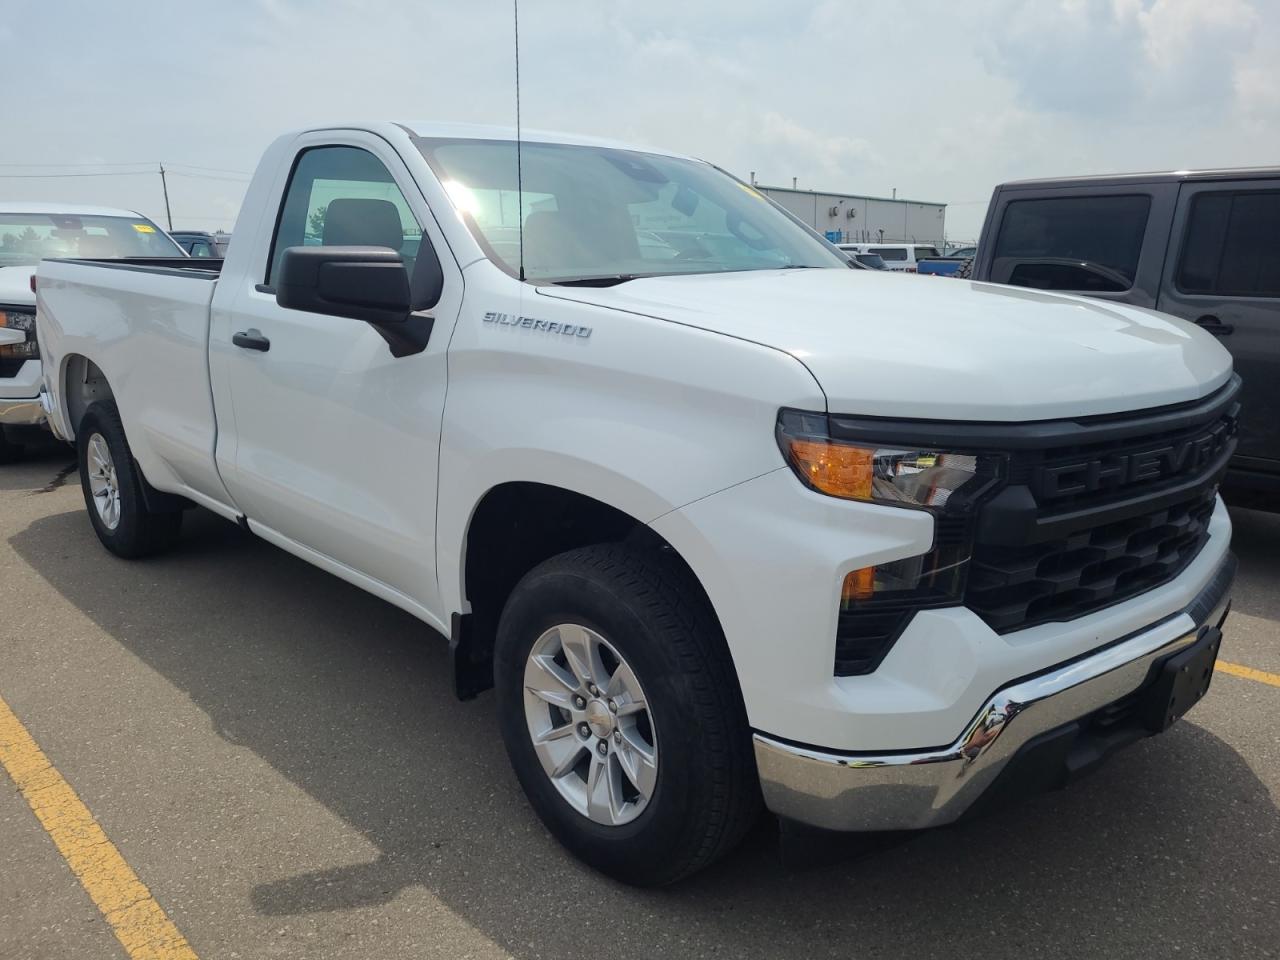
1221, 173
65, 209
477, 131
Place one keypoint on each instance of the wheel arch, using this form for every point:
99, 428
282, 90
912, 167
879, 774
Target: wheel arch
515, 526
83, 383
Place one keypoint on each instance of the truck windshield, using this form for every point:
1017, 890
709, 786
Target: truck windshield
28, 238
593, 212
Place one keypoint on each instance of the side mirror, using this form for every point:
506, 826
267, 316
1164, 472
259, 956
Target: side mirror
362, 283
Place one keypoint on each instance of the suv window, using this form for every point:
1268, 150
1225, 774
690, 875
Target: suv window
890, 253
1232, 245
343, 196
922, 252
1090, 244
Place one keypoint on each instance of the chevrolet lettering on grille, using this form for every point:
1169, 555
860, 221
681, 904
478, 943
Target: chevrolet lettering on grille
1177, 458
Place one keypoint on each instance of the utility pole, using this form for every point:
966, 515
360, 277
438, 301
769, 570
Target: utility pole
164, 184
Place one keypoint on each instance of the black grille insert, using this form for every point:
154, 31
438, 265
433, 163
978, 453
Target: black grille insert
1013, 587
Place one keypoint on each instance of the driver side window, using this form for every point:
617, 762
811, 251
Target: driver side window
343, 196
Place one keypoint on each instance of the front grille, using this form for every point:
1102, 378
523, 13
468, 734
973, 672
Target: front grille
1013, 587
1097, 511
9, 366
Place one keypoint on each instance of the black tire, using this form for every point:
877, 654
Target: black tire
10, 452
707, 792
139, 532
966, 270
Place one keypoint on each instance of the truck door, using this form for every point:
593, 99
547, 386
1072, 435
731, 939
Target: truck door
1224, 274
333, 443
1106, 241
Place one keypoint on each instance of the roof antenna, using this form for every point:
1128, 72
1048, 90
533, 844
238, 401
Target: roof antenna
515, 6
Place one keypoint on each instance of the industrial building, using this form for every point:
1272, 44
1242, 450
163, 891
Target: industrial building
860, 219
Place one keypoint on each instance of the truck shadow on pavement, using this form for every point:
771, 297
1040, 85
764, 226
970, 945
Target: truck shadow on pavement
1174, 844
45, 466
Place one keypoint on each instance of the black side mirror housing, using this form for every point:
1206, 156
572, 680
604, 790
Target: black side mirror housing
364, 283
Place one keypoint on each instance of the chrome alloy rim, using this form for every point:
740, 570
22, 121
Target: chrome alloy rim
590, 725
102, 482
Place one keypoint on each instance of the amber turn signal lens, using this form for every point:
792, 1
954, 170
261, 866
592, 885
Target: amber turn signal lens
858, 585
836, 469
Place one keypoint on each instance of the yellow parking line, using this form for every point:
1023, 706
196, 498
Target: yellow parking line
137, 920
1249, 673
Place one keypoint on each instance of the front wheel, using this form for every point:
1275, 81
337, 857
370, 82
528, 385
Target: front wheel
113, 489
621, 713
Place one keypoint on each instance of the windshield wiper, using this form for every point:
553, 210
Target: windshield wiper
611, 280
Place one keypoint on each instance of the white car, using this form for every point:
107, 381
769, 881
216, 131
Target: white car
898, 257
28, 233
722, 520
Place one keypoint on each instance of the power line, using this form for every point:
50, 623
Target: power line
58, 176
121, 173
149, 164
128, 163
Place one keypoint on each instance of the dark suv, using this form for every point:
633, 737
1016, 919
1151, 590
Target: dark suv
200, 244
1203, 245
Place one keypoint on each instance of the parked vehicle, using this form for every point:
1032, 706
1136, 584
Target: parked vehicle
899, 257
1200, 245
28, 232
941, 266
719, 528
198, 243
872, 261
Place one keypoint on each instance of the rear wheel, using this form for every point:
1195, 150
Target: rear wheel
621, 714
113, 489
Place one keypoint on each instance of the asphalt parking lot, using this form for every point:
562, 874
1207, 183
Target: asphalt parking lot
279, 758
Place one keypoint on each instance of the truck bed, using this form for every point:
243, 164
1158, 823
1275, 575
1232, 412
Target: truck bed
145, 323
186, 266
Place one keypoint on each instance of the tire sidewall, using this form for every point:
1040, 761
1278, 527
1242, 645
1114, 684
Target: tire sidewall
104, 422
543, 600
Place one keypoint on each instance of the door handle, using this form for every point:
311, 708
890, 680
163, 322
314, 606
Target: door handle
1214, 325
251, 339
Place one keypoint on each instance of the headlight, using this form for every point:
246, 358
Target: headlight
933, 479
28, 349
876, 602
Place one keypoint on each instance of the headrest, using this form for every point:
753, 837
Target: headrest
357, 222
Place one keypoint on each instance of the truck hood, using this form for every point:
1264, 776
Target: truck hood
901, 346
15, 286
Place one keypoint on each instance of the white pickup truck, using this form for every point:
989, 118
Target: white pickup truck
722, 520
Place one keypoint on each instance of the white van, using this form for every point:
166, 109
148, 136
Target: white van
901, 257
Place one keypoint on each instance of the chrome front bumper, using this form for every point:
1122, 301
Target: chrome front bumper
21, 412
907, 791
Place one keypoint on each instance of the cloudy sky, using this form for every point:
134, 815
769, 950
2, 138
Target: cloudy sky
938, 100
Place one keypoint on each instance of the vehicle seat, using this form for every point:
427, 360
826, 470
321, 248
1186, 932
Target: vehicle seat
360, 222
